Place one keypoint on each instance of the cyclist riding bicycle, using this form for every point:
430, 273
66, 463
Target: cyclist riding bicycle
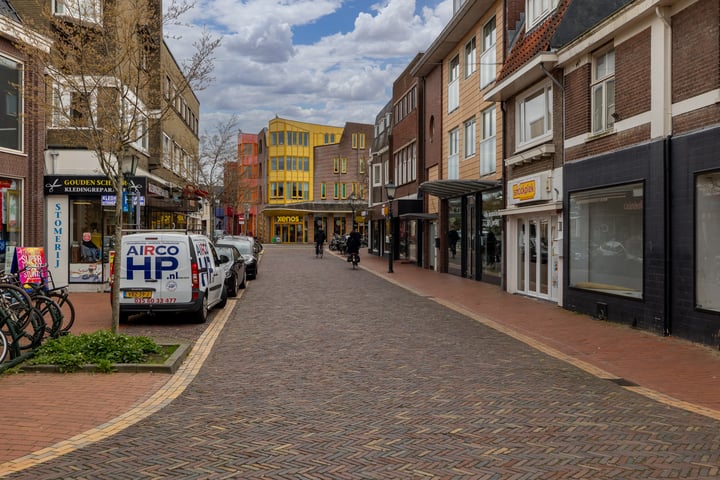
319, 241
353, 244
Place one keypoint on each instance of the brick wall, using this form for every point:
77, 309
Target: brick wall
632, 76
577, 102
696, 50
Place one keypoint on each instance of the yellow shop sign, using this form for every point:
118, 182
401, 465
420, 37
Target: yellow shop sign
287, 219
524, 190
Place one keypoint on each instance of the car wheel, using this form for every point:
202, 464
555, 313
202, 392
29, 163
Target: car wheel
233, 287
243, 284
223, 299
202, 315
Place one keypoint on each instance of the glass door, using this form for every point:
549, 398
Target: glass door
533, 272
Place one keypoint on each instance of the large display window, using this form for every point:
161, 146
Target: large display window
606, 240
89, 245
707, 247
11, 216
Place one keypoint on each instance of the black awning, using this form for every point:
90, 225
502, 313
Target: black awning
419, 216
456, 188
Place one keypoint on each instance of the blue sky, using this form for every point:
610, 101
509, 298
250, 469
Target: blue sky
318, 61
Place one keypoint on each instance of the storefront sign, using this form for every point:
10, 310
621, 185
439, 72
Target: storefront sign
530, 189
158, 190
287, 219
87, 185
524, 190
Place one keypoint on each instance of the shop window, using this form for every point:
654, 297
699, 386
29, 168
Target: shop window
11, 212
86, 242
707, 248
606, 240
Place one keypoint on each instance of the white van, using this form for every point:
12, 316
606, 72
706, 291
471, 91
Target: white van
170, 272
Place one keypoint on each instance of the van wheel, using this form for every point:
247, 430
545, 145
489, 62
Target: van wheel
202, 315
243, 284
124, 317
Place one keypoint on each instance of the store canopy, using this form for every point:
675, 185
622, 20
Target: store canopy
456, 188
419, 216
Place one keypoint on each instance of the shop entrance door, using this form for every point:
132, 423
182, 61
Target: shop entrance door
291, 233
533, 274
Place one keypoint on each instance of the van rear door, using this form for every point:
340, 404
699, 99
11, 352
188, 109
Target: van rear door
155, 269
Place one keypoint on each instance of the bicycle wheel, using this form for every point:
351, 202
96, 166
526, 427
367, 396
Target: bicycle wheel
67, 309
51, 315
4, 347
25, 337
28, 327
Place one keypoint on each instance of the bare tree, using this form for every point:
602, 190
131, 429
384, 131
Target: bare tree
218, 149
105, 83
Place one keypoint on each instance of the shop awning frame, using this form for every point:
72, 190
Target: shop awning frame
445, 189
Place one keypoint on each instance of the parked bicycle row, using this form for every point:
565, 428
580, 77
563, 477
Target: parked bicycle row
31, 312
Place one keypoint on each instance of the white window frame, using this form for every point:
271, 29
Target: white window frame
454, 84
602, 91
470, 57
488, 145
453, 154
85, 10
470, 138
377, 175
524, 135
537, 10
488, 58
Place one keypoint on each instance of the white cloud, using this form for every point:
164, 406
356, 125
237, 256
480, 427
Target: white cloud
259, 72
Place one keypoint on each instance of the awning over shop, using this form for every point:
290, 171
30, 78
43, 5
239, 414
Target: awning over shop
456, 188
419, 216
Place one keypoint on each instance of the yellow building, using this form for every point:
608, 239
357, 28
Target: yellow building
290, 172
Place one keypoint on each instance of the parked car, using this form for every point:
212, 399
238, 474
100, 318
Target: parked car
235, 272
170, 272
246, 247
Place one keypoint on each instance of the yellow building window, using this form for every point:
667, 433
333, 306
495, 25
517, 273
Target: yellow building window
323, 190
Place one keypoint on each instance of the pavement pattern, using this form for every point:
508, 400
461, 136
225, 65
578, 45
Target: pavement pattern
322, 371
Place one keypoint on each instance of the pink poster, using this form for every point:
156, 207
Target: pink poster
31, 264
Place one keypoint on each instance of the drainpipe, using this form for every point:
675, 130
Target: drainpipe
667, 301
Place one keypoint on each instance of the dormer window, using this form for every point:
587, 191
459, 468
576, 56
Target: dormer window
537, 10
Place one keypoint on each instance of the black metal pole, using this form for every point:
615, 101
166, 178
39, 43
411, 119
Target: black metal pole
390, 236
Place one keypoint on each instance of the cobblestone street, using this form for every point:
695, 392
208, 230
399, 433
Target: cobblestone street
323, 371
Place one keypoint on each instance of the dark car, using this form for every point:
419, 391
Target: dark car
235, 269
247, 248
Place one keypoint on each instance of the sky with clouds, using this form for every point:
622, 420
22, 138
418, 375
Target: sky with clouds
318, 61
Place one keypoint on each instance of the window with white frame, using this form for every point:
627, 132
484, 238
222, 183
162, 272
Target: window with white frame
453, 147
454, 84
488, 149
85, 10
11, 83
470, 138
488, 56
603, 92
377, 174
470, 55
534, 115
537, 10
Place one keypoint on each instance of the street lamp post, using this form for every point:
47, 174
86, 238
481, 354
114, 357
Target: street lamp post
352, 199
390, 191
247, 220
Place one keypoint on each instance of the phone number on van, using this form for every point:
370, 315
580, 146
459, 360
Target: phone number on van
155, 300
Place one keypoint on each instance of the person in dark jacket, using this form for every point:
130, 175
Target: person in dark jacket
353, 242
319, 241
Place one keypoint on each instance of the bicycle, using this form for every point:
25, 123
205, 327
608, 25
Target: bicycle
37, 296
21, 323
45, 290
